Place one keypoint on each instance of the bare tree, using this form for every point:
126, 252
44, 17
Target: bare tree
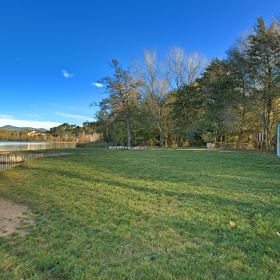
153, 79
184, 69
176, 61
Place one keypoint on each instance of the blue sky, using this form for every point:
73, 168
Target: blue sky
52, 51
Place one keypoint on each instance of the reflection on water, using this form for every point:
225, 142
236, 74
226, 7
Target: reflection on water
25, 146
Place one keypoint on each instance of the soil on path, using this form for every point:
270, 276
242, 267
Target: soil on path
14, 218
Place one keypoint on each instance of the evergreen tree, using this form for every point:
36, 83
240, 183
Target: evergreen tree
264, 67
218, 88
186, 110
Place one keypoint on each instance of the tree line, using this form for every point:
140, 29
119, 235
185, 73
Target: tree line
21, 135
183, 98
61, 133
72, 132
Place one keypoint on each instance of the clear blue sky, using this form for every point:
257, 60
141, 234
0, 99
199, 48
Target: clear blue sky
52, 51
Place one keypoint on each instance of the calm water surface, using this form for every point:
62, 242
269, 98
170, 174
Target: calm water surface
25, 146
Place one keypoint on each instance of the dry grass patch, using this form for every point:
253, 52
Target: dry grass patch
14, 218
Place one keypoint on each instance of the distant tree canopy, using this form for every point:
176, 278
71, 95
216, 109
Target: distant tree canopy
22, 135
72, 132
182, 98
64, 132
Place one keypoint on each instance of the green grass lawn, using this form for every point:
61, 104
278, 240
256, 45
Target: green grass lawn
157, 214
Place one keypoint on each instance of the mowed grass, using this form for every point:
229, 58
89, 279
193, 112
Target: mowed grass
158, 214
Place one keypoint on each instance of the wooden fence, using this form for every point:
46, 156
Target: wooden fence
10, 158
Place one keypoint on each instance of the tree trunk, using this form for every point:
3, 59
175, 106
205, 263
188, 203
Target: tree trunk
267, 117
240, 138
160, 137
128, 129
180, 142
269, 123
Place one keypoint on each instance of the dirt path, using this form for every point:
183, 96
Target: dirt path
14, 218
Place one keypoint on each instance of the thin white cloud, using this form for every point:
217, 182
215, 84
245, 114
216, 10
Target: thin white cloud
72, 116
14, 113
2, 116
97, 85
66, 74
24, 123
53, 104
31, 115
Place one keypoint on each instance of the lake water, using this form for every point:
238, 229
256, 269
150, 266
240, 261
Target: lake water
25, 146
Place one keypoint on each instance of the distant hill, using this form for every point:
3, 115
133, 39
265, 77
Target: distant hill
21, 128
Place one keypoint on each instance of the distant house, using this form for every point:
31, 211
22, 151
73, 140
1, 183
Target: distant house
35, 133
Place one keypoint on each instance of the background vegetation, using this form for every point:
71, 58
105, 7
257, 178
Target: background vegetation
183, 98
64, 132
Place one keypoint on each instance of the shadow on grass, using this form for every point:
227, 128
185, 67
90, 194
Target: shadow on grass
257, 200
122, 221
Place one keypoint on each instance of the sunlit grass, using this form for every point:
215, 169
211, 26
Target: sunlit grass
163, 214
